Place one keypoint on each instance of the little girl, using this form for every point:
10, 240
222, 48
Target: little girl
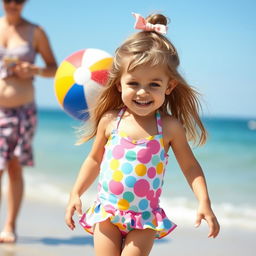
146, 108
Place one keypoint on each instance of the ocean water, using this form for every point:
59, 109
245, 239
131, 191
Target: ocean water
228, 160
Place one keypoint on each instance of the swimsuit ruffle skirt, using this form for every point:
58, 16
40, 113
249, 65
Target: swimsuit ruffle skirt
130, 184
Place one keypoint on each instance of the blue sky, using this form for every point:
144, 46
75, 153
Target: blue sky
216, 41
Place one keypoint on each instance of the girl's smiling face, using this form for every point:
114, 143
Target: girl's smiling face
144, 88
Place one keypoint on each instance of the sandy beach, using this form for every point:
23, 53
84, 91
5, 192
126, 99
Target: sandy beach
42, 231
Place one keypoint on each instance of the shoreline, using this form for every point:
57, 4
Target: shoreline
42, 231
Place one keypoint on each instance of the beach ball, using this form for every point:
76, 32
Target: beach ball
79, 80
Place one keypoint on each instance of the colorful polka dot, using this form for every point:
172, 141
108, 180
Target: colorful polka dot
151, 172
118, 152
131, 156
159, 192
155, 160
129, 196
150, 194
130, 181
127, 144
159, 168
141, 169
134, 208
123, 204
161, 142
153, 146
117, 176
154, 222
105, 186
156, 183
162, 155
120, 226
112, 198
167, 224
143, 156
141, 188
143, 204
115, 219
127, 168
114, 164
146, 215
116, 188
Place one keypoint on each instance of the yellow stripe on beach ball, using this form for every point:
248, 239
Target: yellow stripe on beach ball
141, 169
104, 64
64, 80
114, 164
159, 168
117, 176
123, 204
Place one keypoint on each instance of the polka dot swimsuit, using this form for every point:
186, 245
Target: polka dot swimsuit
130, 184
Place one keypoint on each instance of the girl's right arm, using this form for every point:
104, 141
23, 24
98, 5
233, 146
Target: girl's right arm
88, 172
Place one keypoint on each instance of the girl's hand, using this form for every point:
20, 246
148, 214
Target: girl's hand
205, 212
74, 204
25, 70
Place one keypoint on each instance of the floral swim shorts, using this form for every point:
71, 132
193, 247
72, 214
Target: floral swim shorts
17, 128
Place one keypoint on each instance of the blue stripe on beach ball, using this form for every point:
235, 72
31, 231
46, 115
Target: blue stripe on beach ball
74, 101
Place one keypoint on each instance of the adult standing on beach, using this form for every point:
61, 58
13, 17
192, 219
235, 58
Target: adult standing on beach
20, 42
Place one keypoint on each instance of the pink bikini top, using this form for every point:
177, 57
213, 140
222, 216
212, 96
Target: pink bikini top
24, 52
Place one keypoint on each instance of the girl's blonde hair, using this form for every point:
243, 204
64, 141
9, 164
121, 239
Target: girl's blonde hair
151, 48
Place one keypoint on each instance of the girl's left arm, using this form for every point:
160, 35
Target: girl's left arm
194, 175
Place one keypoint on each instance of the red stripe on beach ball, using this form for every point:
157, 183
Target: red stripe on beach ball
76, 58
100, 76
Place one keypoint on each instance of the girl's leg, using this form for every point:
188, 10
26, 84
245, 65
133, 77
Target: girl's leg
107, 239
138, 242
15, 195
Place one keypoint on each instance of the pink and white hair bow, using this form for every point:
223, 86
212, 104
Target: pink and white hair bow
142, 24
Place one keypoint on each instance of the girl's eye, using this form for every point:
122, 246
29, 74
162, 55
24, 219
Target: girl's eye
133, 83
154, 85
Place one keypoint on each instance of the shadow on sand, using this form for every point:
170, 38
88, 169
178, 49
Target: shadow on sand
55, 241
74, 240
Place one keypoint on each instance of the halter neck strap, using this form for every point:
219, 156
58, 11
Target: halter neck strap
158, 120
